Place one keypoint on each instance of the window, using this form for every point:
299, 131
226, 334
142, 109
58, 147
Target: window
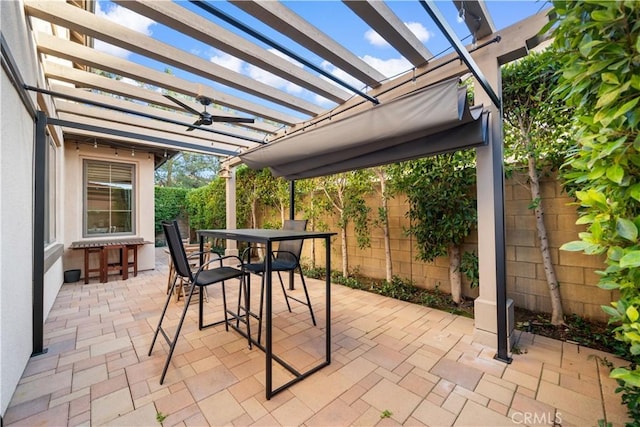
108, 201
50, 193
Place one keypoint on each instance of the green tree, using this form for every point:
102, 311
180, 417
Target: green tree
314, 205
253, 188
385, 192
536, 139
442, 208
188, 170
278, 194
345, 193
599, 45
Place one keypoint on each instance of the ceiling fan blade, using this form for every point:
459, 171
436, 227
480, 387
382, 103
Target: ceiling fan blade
182, 104
196, 123
228, 119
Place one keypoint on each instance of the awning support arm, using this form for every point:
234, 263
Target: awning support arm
443, 25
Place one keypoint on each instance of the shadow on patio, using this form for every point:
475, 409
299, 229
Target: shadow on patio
392, 363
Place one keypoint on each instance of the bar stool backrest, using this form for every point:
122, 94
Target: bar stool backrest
289, 250
176, 249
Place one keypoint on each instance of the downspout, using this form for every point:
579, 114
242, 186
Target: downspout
40, 150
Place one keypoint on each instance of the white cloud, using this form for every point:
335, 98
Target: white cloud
228, 61
416, 28
125, 17
419, 30
375, 39
271, 79
340, 74
321, 100
262, 76
389, 67
258, 74
394, 66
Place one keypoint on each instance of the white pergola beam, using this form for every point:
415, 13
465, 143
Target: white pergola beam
89, 24
391, 28
195, 144
181, 19
287, 22
55, 46
125, 102
84, 79
513, 45
118, 117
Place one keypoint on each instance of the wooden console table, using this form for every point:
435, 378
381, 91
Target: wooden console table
102, 248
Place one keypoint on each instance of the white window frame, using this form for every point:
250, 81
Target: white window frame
109, 231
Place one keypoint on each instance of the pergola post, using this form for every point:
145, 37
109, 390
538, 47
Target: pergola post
493, 312
230, 190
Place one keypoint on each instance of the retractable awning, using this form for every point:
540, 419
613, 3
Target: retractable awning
433, 120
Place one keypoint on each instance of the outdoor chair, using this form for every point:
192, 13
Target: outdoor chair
205, 275
193, 254
285, 259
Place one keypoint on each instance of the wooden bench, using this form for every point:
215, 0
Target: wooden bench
103, 247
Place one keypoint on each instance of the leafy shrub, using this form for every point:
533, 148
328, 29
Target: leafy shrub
469, 267
170, 203
599, 42
207, 205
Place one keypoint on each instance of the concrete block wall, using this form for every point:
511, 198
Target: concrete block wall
526, 282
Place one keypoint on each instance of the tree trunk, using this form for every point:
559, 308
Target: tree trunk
169, 182
455, 275
557, 313
283, 209
313, 245
312, 223
254, 224
345, 265
385, 228
254, 214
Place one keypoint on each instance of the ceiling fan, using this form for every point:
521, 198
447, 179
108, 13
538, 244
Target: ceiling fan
205, 118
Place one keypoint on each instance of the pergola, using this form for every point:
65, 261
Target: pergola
88, 105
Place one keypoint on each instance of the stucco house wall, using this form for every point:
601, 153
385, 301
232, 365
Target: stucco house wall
17, 136
17, 133
75, 155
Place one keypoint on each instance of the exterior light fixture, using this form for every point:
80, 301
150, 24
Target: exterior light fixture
224, 173
461, 14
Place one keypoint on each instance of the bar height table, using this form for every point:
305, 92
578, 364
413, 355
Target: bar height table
267, 237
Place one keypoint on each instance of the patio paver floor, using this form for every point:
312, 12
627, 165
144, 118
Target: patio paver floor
417, 365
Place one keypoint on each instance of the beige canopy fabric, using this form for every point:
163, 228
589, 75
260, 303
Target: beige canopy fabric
432, 120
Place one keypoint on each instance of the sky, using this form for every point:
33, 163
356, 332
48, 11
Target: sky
333, 18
